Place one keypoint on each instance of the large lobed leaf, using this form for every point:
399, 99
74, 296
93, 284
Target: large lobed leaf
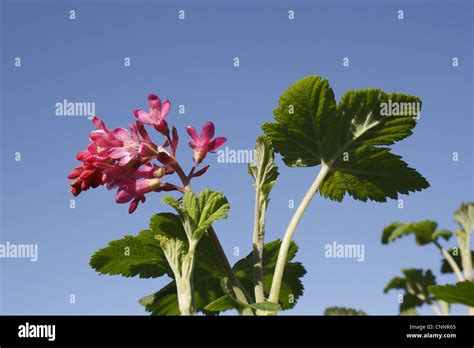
135, 255
425, 232
462, 293
351, 138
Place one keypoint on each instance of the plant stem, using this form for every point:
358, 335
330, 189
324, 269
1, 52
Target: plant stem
290, 231
444, 307
451, 261
257, 243
184, 285
237, 287
436, 309
464, 242
467, 257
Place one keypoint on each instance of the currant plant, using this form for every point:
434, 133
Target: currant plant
349, 141
419, 286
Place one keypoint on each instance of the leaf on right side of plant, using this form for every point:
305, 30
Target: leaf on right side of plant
425, 232
415, 284
460, 293
351, 138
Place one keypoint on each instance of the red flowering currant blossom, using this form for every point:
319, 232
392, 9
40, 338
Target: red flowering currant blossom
124, 158
204, 143
156, 115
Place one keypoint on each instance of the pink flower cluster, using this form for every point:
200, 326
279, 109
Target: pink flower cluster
128, 159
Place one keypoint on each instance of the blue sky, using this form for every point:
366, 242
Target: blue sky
190, 62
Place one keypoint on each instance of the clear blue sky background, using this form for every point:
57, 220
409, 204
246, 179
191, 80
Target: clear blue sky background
191, 63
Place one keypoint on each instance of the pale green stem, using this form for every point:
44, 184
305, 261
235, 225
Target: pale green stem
444, 307
184, 284
436, 309
464, 242
237, 287
258, 240
290, 231
467, 258
451, 262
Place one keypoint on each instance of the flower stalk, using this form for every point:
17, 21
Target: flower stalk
290, 231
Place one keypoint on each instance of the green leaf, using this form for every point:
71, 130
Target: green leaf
456, 254
415, 285
464, 216
263, 170
462, 293
310, 129
266, 306
131, 256
199, 212
140, 255
222, 304
425, 232
343, 311
409, 311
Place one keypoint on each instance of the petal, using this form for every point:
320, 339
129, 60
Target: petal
123, 196
192, 132
143, 116
207, 131
98, 123
154, 101
126, 159
134, 132
165, 108
121, 134
118, 152
216, 143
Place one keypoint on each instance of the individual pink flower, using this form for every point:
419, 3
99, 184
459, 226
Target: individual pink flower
135, 191
204, 143
156, 115
132, 146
